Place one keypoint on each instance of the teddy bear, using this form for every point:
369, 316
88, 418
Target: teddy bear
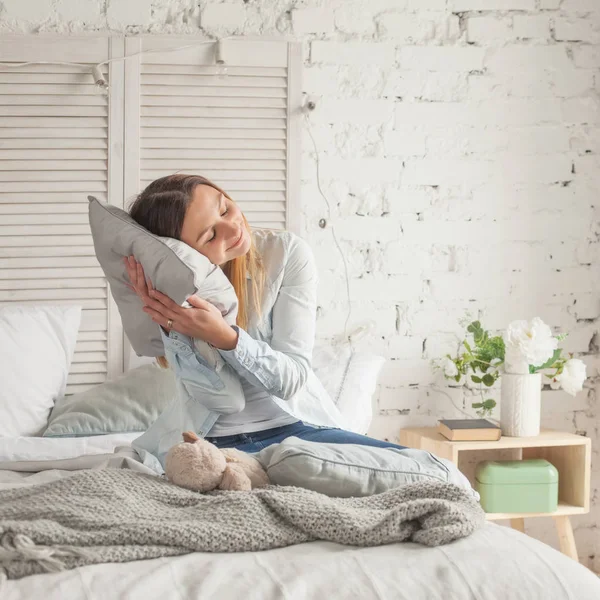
199, 465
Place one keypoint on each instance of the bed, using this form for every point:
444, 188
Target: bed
494, 563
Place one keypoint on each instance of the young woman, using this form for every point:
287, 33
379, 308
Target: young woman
275, 279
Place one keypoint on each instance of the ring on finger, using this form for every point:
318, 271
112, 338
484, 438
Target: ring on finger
170, 324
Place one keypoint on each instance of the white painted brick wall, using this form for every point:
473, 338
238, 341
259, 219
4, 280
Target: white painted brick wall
460, 144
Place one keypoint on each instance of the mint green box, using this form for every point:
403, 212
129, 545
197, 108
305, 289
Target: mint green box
517, 486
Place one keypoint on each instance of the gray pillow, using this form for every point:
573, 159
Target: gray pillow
352, 470
174, 268
127, 404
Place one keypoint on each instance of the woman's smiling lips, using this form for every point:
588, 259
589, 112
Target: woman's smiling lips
237, 243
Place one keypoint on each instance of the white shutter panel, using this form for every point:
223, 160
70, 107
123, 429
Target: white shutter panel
239, 129
54, 151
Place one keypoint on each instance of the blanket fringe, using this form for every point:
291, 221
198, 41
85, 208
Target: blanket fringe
19, 547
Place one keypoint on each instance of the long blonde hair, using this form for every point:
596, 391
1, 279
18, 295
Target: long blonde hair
161, 208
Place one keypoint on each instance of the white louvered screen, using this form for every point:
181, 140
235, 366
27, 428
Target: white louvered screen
168, 111
54, 151
239, 129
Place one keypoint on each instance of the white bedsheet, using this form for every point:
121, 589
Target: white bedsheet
40, 448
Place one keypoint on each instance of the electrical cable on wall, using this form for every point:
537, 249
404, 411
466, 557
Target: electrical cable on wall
361, 330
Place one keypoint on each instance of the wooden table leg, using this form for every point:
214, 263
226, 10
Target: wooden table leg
566, 537
518, 524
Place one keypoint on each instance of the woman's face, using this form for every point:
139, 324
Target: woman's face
214, 226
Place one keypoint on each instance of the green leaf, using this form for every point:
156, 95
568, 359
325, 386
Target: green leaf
548, 363
488, 379
489, 404
467, 346
475, 379
474, 326
477, 405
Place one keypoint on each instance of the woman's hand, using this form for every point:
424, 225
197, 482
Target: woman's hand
204, 321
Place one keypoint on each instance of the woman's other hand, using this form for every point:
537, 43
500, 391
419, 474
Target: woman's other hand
203, 321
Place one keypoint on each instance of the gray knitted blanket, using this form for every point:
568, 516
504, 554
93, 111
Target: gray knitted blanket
118, 515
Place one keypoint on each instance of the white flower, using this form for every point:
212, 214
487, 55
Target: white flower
528, 344
572, 378
450, 369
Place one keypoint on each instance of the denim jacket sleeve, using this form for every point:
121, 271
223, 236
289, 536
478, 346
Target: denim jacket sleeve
282, 367
206, 388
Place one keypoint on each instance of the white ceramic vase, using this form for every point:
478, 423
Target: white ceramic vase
520, 404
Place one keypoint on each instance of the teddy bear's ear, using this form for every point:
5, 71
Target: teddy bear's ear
190, 437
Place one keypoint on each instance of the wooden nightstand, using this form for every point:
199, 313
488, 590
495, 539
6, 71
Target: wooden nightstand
569, 453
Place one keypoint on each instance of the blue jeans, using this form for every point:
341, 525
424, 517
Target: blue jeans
257, 440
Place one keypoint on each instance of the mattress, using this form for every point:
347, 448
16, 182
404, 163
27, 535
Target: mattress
495, 563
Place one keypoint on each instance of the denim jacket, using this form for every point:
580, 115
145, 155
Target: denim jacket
273, 355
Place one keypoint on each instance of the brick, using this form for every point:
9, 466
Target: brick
586, 306
405, 346
355, 19
431, 318
359, 112
583, 6
374, 229
466, 5
361, 171
544, 84
587, 57
352, 53
507, 112
386, 290
498, 313
577, 30
226, 16
539, 140
579, 338
434, 86
406, 372
403, 259
409, 199
508, 168
585, 138
460, 140
581, 110
405, 141
514, 59
312, 20
79, 10
531, 27
484, 30
406, 29
344, 81
454, 286
26, 11
588, 166
440, 58
539, 227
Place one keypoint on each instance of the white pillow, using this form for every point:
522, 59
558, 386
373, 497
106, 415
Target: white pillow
36, 349
350, 378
